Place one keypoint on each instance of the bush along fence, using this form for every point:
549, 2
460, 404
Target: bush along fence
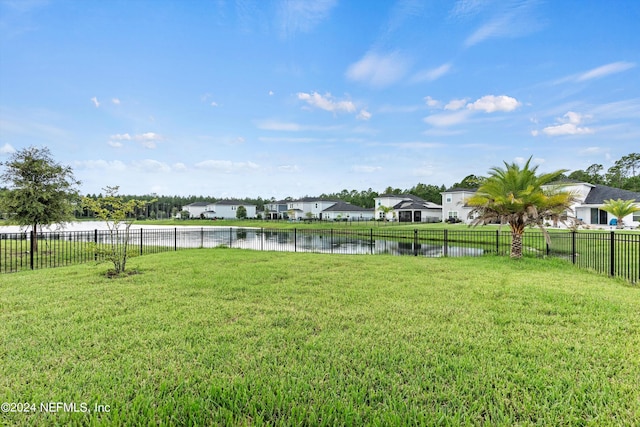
612, 253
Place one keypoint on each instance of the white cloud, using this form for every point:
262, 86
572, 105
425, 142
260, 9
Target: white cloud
363, 115
432, 74
303, 16
271, 93
149, 165
115, 144
289, 168
326, 103
569, 125
433, 103
214, 104
95, 101
456, 104
592, 151
115, 101
378, 70
226, 166
366, 169
179, 167
112, 165
605, 70
492, 103
447, 119
278, 126
513, 19
121, 137
7, 149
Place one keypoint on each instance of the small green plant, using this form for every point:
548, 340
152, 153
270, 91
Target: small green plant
118, 215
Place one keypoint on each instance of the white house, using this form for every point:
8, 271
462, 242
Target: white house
453, 204
347, 212
308, 207
591, 198
407, 208
588, 206
195, 209
223, 209
228, 209
276, 210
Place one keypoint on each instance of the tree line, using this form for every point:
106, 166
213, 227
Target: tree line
625, 174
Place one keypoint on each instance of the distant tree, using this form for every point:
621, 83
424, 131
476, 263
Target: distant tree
40, 191
470, 181
241, 212
390, 190
185, 215
118, 214
515, 196
591, 175
620, 208
428, 192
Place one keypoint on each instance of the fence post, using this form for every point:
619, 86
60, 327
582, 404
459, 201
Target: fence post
497, 242
201, 237
95, 240
371, 239
295, 240
175, 238
445, 246
262, 238
140, 240
415, 242
612, 252
33, 245
331, 241
230, 236
573, 246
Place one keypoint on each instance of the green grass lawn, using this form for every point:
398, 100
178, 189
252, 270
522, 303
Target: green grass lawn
233, 337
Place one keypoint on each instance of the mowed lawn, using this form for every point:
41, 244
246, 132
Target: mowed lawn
232, 337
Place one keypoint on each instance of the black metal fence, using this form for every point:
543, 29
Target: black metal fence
612, 253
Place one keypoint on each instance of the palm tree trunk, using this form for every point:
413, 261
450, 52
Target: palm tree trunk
516, 244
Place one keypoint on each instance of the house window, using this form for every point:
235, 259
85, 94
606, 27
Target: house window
598, 217
453, 214
636, 216
449, 198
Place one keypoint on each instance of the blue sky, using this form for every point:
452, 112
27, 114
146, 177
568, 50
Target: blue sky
284, 98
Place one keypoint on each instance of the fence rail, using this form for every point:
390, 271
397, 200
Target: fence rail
612, 253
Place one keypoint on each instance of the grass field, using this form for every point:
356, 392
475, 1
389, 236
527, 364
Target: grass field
232, 337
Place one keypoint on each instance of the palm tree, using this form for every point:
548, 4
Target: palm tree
516, 196
620, 208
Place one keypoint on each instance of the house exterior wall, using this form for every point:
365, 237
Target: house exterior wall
453, 205
348, 215
194, 211
230, 211
302, 208
388, 202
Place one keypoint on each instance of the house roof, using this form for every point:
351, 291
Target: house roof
313, 199
402, 196
460, 190
410, 204
600, 193
201, 204
232, 203
341, 206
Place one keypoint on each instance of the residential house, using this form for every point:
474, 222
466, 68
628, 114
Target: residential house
223, 209
228, 209
587, 208
276, 210
407, 208
195, 209
591, 198
343, 211
453, 204
308, 208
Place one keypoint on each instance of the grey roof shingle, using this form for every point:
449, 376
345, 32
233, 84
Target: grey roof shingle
600, 193
341, 206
